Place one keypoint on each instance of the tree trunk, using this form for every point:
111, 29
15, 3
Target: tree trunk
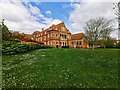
93, 47
104, 46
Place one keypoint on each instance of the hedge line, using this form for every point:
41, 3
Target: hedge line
11, 48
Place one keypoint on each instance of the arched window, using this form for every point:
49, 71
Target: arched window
65, 43
77, 43
80, 43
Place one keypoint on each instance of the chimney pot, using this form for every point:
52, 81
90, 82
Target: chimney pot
42, 29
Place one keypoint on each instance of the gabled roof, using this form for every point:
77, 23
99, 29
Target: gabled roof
53, 27
58, 27
77, 36
36, 32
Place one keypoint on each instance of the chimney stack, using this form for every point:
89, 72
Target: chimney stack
42, 29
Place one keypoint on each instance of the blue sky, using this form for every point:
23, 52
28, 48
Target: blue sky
28, 16
59, 10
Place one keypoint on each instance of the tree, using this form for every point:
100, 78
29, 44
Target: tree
117, 9
6, 34
0, 33
117, 13
97, 29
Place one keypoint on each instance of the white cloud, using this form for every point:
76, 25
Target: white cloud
33, 9
98, 0
23, 18
48, 12
85, 11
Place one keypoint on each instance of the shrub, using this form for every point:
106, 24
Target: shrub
15, 41
14, 47
65, 46
117, 45
45, 46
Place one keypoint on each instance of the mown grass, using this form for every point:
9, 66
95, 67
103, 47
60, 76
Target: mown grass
66, 68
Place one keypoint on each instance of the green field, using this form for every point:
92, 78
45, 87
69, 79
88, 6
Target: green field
66, 68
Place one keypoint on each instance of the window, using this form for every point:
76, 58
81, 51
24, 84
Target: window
77, 43
51, 34
40, 38
63, 28
48, 42
44, 37
80, 43
56, 35
56, 43
65, 37
61, 43
65, 43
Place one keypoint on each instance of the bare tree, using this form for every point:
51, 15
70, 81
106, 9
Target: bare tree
117, 11
97, 29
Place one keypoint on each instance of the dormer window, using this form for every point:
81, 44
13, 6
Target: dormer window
62, 28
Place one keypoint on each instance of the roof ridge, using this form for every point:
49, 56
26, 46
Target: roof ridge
78, 33
60, 23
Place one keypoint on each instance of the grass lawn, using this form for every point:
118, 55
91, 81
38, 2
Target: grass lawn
54, 68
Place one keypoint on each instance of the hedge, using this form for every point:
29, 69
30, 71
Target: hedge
14, 47
65, 46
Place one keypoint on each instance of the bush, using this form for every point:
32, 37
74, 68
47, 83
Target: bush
15, 41
65, 46
15, 47
45, 46
117, 45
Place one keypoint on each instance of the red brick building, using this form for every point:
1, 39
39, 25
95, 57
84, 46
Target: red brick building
58, 36
79, 40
